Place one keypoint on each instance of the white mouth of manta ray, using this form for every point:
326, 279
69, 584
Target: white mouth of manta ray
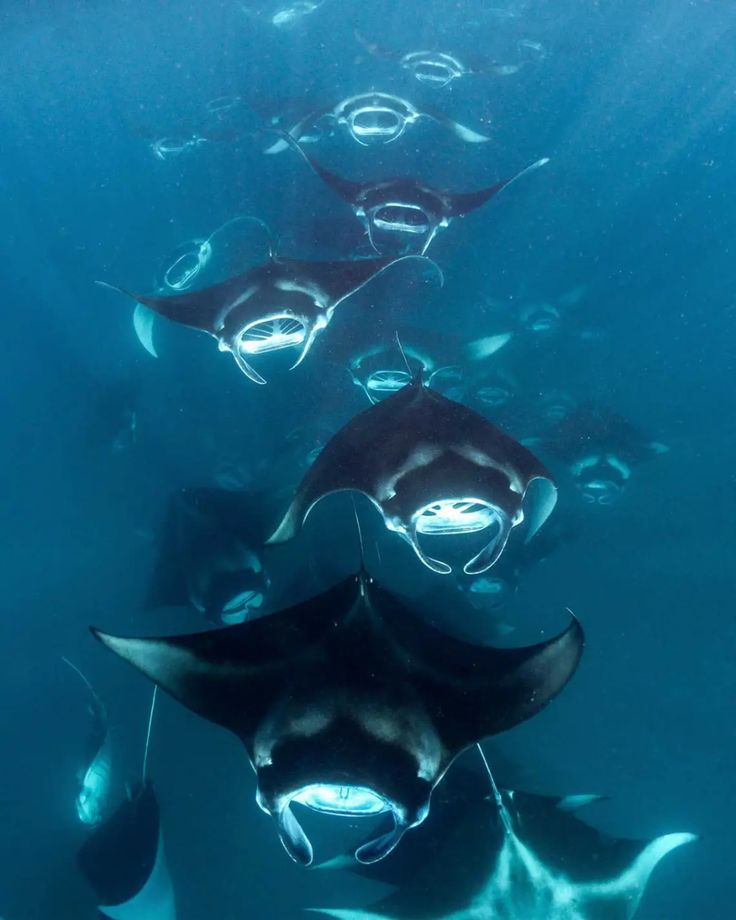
401, 217
166, 147
183, 270
493, 395
376, 124
349, 801
272, 334
600, 491
455, 516
488, 586
433, 71
387, 381
236, 609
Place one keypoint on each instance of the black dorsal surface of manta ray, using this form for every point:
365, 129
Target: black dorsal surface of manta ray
283, 303
371, 119
124, 862
350, 704
528, 856
404, 205
431, 466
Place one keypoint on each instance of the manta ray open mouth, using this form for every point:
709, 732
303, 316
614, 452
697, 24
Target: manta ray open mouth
457, 516
185, 267
376, 125
433, 72
273, 334
404, 218
494, 396
384, 382
348, 801
237, 608
600, 491
452, 515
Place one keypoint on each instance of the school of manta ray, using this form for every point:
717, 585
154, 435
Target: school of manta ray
353, 702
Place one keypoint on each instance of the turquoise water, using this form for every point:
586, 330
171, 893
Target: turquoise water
133, 137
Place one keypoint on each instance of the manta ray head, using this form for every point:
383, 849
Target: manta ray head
293, 316
342, 770
450, 516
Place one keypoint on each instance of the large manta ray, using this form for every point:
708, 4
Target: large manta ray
405, 205
524, 856
371, 118
124, 862
349, 703
431, 466
279, 304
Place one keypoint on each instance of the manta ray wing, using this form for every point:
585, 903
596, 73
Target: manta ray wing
197, 309
230, 675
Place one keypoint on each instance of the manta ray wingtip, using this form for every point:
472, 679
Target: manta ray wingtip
110, 287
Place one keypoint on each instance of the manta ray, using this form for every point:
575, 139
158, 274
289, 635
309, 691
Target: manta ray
350, 704
439, 69
125, 864
508, 856
211, 554
93, 797
282, 303
404, 205
371, 119
376, 366
431, 466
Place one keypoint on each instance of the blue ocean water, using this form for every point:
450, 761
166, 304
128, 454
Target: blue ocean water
623, 240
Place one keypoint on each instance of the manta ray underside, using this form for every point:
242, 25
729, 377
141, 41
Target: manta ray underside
283, 303
523, 857
351, 705
432, 467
